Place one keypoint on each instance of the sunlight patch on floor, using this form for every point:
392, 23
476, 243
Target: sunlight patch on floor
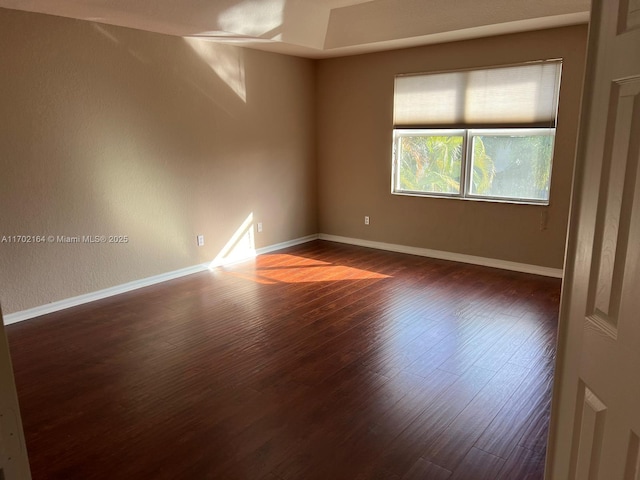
284, 268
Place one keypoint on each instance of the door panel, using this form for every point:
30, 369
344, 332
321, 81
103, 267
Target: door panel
629, 16
620, 163
632, 468
588, 444
14, 464
596, 412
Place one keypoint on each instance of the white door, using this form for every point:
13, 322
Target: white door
14, 464
595, 425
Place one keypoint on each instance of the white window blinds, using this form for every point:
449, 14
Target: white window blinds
516, 96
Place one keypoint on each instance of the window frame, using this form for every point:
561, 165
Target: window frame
470, 115
433, 132
466, 163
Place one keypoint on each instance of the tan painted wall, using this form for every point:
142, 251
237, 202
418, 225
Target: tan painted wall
355, 105
112, 131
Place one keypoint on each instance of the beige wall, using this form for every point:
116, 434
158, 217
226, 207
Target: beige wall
355, 105
111, 131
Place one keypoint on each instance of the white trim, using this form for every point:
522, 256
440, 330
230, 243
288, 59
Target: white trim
127, 287
163, 277
100, 294
442, 255
254, 252
288, 243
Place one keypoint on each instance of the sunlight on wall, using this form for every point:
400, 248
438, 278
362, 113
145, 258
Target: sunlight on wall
241, 245
253, 17
226, 62
259, 21
103, 31
112, 38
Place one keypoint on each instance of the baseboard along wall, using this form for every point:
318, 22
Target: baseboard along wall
454, 257
145, 282
134, 285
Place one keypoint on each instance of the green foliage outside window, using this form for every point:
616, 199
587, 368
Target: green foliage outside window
434, 163
501, 166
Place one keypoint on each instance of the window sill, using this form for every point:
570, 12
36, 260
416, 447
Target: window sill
540, 203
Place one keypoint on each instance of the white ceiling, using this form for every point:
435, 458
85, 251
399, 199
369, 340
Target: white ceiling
321, 28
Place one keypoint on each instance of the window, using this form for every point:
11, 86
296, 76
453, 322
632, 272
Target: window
481, 134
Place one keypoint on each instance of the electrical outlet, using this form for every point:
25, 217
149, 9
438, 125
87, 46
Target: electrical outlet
366, 220
259, 227
200, 240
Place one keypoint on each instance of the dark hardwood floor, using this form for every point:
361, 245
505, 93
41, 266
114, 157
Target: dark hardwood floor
322, 361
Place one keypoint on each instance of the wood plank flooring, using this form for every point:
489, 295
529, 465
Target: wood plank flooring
322, 361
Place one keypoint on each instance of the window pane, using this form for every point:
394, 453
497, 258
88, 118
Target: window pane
429, 163
515, 167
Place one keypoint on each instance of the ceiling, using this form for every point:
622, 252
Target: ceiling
321, 28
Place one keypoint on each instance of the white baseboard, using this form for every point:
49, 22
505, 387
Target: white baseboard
442, 255
100, 294
127, 287
145, 282
289, 243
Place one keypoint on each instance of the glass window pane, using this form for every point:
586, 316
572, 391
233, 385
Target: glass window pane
512, 166
429, 163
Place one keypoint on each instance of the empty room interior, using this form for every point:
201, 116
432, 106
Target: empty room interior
226, 251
